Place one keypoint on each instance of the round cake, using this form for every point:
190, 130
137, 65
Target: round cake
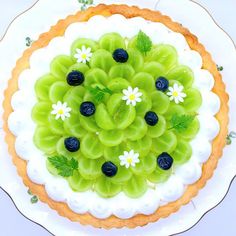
116, 117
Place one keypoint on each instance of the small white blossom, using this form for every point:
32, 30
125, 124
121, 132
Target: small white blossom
132, 96
61, 110
129, 159
83, 55
175, 93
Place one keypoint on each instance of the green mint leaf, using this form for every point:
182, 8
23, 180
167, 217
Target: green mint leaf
64, 166
98, 94
181, 122
144, 43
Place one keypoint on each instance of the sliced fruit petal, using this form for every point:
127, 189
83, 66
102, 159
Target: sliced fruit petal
78, 183
57, 91
105, 188
183, 74
135, 187
111, 41
60, 66
182, 152
141, 146
102, 59
125, 71
91, 147
164, 54
165, 143
160, 102
159, 175
193, 100
89, 168
45, 140
43, 85
73, 126
146, 165
135, 59
137, 129
143, 81
111, 138
158, 129
154, 68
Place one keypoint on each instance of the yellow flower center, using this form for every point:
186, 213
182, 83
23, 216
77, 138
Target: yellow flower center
84, 56
131, 97
60, 112
175, 94
129, 160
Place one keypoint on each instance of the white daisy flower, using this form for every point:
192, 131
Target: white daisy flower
132, 96
129, 159
83, 55
61, 110
175, 93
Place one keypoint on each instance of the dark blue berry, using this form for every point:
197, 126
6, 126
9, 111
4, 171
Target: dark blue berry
162, 84
87, 108
164, 161
151, 118
72, 144
120, 55
109, 169
75, 78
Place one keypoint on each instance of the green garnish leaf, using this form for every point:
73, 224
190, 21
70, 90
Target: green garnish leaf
220, 68
29, 192
228, 140
28, 42
85, 4
34, 199
181, 122
64, 166
98, 94
144, 43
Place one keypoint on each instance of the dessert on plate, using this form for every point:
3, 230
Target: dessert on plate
116, 117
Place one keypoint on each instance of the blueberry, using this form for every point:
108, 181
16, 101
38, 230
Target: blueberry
72, 144
164, 161
75, 78
109, 169
87, 108
120, 55
162, 84
151, 118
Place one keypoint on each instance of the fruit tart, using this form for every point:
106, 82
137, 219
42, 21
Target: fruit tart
116, 117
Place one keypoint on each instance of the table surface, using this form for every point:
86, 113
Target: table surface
219, 221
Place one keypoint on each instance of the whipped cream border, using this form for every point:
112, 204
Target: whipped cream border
21, 124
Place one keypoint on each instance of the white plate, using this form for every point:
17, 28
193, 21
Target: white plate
193, 16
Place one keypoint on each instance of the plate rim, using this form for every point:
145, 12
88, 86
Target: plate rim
202, 215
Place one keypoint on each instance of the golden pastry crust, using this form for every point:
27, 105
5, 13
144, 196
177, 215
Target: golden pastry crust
217, 145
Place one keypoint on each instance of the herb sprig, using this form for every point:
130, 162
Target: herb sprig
64, 166
85, 4
34, 199
28, 41
220, 68
98, 94
181, 122
144, 43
